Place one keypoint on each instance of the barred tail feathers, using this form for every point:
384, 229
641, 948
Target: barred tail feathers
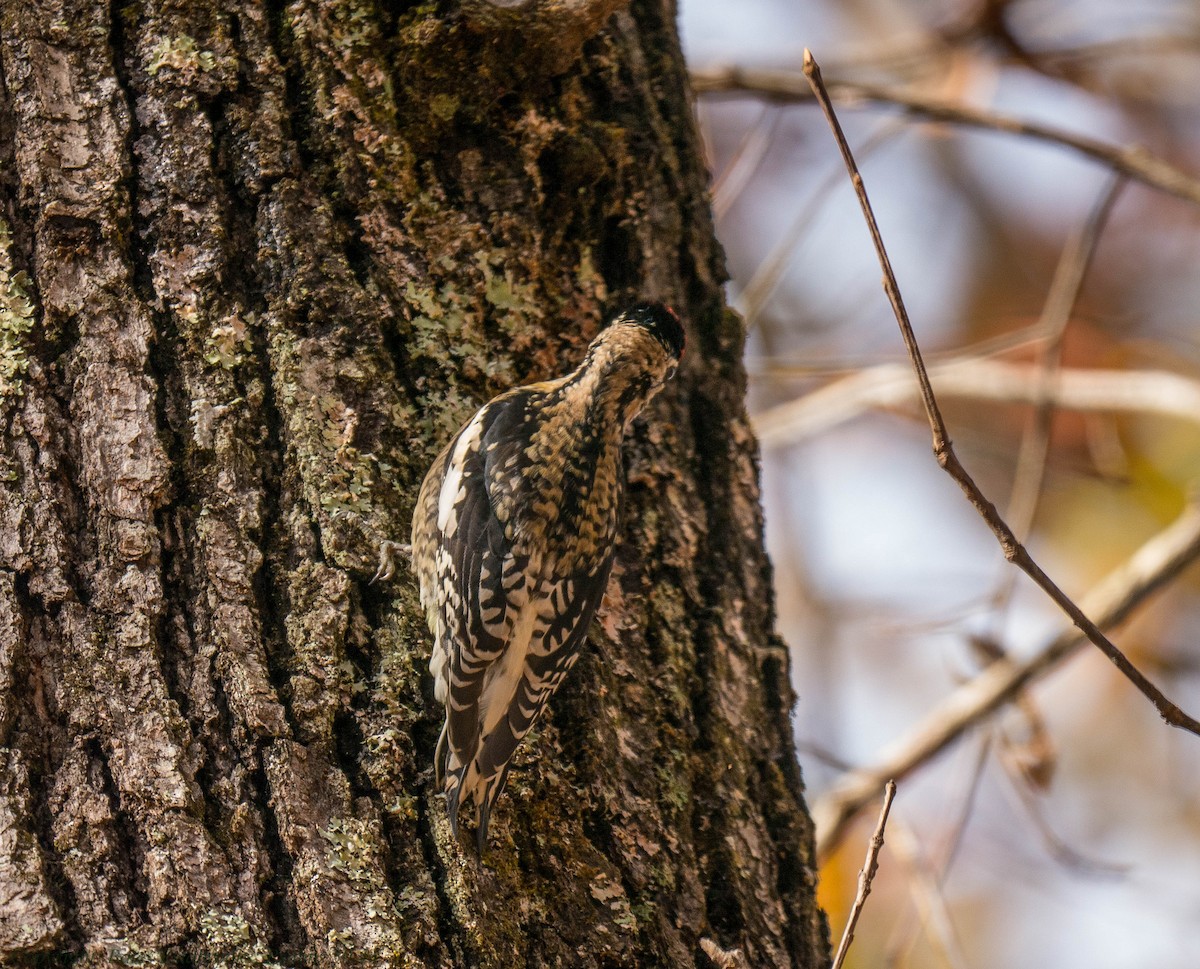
463, 785
470, 786
448, 773
486, 793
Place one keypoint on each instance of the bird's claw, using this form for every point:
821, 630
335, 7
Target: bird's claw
387, 559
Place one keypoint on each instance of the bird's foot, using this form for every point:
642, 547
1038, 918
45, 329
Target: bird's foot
387, 559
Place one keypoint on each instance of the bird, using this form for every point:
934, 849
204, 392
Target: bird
513, 540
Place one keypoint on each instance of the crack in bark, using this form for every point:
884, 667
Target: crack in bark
290, 939
34, 734
130, 856
450, 930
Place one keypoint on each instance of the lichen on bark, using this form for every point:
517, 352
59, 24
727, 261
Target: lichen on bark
260, 262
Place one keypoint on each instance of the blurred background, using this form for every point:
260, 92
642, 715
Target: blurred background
1065, 829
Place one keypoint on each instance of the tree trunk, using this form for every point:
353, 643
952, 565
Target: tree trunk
258, 263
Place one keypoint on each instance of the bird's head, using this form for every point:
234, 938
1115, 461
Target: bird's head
631, 358
662, 323
647, 338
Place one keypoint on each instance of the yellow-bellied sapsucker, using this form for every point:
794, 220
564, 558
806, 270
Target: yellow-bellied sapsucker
513, 541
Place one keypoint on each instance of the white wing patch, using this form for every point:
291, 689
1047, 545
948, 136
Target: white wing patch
500, 682
452, 487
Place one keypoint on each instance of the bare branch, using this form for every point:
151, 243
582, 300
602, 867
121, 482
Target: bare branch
1132, 161
948, 460
866, 876
892, 384
1030, 473
1150, 568
906, 933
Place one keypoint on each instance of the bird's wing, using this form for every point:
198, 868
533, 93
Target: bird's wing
424, 538
481, 580
559, 631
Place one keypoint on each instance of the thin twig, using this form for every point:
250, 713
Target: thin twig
1150, 568
781, 367
1062, 852
747, 158
770, 271
965, 810
905, 935
1056, 314
866, 876
929, 899
1014, 551
921, 58
1134, 161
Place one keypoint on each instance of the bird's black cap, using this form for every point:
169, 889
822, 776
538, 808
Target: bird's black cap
662, 323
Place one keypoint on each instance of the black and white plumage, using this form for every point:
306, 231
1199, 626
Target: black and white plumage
513, 542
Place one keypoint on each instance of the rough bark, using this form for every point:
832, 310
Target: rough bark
257, 263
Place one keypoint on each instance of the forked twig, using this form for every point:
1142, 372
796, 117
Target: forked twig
1013, 550
866, 876
1112, 601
